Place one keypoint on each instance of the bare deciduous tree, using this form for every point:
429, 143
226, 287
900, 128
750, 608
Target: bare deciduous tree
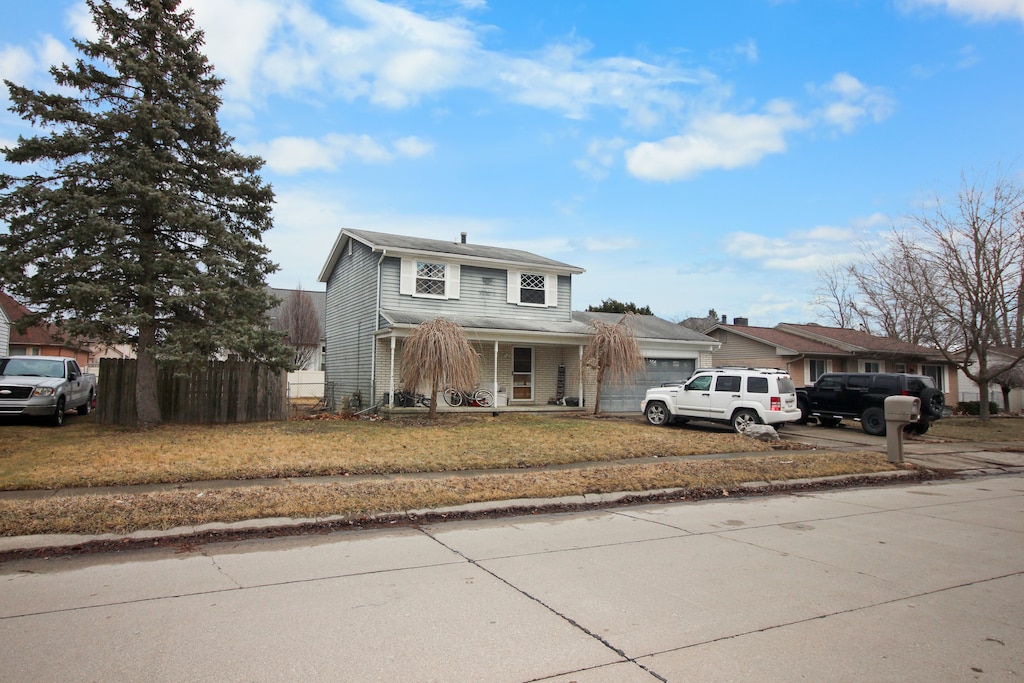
613, 353
835, 297
960, 270
300, 322
437, 352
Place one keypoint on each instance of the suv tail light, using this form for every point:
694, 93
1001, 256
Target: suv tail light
776, 403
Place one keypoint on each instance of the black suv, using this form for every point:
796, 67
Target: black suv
861, 396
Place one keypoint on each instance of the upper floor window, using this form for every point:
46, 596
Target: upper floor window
532, 289
429, 279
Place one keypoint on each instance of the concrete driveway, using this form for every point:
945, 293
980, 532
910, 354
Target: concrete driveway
921, 582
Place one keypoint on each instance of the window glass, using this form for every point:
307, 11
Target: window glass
935, 372
816, 368
531, 288
858, 382
430, 278
830, 383
727, 383
872, 366
888, 385
757, 385
786, 385
701, 383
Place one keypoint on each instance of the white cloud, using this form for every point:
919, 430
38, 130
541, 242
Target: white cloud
290, 155
852, 102
974, 10
801, 251
716, 141
601, 156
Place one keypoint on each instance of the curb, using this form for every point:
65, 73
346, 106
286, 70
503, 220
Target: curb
13, 547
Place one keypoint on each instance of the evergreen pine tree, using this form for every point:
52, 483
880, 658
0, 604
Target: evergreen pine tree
136, 222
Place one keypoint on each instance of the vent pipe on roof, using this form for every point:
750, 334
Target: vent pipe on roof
463, 238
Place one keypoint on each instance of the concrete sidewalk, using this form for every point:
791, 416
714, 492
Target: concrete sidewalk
920, 582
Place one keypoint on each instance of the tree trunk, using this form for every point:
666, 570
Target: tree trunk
983, 413
597, 399
432, 410
147, 405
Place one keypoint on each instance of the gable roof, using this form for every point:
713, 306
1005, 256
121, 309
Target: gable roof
37, 335
476, 254
785, 343
855, 341
646, 326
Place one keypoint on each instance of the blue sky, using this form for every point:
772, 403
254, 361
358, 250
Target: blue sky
688, 155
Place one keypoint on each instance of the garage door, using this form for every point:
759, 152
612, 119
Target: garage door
625, 398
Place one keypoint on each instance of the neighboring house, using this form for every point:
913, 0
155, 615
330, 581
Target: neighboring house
808, 351
319, 299
39, 340
969, 389
514, 306
5, 333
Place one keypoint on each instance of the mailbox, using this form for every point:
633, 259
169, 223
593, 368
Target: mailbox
899, 412
904, 409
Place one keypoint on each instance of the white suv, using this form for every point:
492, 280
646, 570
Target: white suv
735, 396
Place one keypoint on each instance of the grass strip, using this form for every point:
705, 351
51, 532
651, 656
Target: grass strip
121, 514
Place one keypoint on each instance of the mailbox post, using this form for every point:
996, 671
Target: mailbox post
899, 412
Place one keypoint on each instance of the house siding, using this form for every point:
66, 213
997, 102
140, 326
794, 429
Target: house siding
351, 289
736, 350
5, 334
482, 293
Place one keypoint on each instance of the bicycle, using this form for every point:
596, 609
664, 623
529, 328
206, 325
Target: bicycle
480, 398
408, 399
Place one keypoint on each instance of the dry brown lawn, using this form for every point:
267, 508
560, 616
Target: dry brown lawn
524, 447
999, 428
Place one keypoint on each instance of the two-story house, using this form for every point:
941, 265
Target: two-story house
514, 306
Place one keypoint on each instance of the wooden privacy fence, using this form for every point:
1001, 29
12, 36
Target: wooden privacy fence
207, 393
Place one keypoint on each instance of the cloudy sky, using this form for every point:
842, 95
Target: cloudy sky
688, 155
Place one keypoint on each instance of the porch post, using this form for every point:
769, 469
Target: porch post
495, 371
581, 376
391, 378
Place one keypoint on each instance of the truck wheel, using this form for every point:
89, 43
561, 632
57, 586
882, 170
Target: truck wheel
932, 402
57, 419
85, 407
657, 414
872, 421
805, 412
742, 419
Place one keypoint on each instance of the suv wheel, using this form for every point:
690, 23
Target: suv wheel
873, 421
657, 414
742, 419
932, 402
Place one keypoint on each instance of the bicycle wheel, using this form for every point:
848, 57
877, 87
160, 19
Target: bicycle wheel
452, 397
483, 398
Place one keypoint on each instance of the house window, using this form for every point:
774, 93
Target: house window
531, 288
430, 278
815, 369
937, 375
901, 367
871, 366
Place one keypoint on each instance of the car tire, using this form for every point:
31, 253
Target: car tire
872, 421
57, 419
917, 428
933, 402
85, 407
742, 418
657, 414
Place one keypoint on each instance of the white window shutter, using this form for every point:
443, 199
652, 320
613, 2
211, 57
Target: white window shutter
550, 290
407, 281
452, 281
513, 286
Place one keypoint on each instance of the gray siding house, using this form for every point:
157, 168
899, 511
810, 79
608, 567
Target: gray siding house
516, 310
5, 333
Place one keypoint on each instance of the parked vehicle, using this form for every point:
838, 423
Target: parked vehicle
836, 396
44, 386
734, 396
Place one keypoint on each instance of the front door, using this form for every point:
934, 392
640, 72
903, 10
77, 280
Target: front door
522, 373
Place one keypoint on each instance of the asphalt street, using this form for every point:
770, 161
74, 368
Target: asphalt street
907, 582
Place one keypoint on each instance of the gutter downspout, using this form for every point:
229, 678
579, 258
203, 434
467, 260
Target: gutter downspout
373, 344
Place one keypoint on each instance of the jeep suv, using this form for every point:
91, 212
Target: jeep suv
734, 396
861, 396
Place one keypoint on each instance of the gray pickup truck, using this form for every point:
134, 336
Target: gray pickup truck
44, 386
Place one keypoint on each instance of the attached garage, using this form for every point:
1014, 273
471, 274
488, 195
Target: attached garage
626, 397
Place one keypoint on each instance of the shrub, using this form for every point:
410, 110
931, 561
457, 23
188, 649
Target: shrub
974, 407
